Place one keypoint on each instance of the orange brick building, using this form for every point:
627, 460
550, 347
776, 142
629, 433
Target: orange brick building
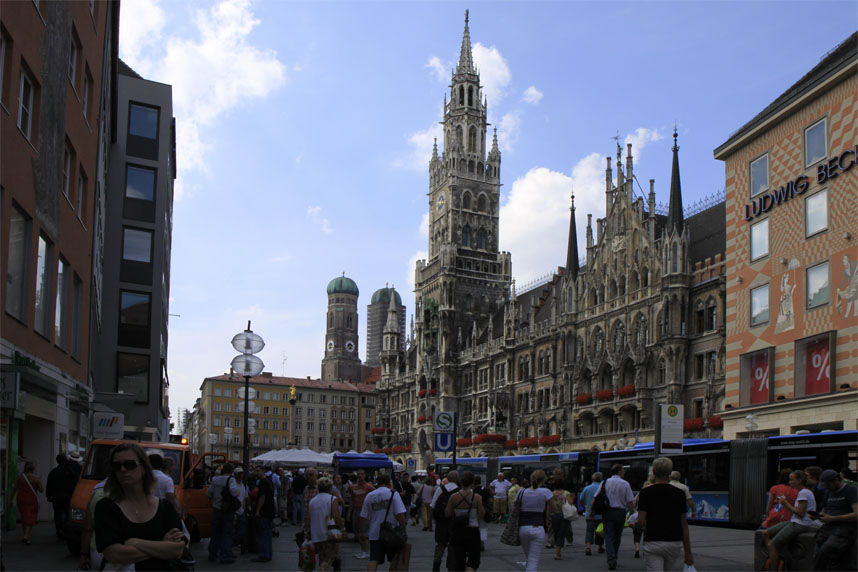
792, 257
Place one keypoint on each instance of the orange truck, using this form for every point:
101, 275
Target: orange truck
191, 475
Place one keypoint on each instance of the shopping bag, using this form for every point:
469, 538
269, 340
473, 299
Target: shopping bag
307, 557
600, 530
402, 560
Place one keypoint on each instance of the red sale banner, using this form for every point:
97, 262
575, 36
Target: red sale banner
818, 369
760, 378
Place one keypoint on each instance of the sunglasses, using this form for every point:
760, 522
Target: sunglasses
128, 465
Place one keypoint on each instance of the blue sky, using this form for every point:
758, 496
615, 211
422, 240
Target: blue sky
305, 128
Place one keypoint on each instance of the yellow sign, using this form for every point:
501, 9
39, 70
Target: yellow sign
672, 410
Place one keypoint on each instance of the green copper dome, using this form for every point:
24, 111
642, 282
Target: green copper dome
342, 285
383, 295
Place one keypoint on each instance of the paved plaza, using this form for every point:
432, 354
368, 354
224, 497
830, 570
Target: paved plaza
714, 549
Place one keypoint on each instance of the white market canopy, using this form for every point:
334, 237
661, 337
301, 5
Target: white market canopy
295, 457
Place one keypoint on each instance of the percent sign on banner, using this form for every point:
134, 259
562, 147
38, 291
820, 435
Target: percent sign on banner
818, 372
760, 378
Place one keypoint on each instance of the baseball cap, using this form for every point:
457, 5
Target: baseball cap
828, 475
238, 470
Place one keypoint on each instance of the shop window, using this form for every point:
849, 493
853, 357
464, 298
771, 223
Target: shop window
759, 239
755, 371
760, 175
814, 370
815, 147
760, 305
816, 213
818, 290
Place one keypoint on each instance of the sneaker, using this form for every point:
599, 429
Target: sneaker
361, 555
601, 549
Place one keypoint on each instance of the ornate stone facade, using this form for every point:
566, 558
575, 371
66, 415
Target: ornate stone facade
578, 362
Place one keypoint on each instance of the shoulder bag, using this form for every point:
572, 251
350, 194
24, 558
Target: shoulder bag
600, 505
334, 532
510, 535
570, 511
392, 537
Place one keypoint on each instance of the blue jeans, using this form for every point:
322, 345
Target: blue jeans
614, 522
298, 508
590, 536
263, 537
220, 544
240, 527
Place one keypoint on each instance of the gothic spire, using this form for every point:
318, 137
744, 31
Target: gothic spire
675, 218
572, 248
392, 325
495, 149
466, 61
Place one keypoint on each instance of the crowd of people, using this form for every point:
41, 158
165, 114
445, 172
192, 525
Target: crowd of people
134, 517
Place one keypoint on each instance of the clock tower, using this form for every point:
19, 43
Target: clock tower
466, 278
341, 361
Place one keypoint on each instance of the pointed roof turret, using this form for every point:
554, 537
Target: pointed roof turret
572, 248
675, 218
435, 149
392, 325
466, 60
495, 141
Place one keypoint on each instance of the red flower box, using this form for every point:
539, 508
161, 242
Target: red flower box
550, 440
693, 424
605, 394
433, 392
626, 390
421, 393
464, 442
489, 438
584, 398
387, 450
529, 442
715, 422
510, 444
401, 449
377, 430
377, 451
421, 419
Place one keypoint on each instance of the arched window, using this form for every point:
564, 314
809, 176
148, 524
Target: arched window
470, 96
471, 166
539, 368
700, 317
712, 315
662, 372
461, 95
459, 136
472, 139
481, 238
466, 236
331, 320
466, 200
644, 277
349, 321
674, 262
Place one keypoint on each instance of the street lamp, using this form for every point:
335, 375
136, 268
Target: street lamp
247, 365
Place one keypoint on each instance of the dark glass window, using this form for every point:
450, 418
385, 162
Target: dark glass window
139, 183
143, 121
134, 319
137, 245
132, 375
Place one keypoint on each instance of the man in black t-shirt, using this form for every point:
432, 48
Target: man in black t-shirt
661, 512
836, 539
265, 513
299, 483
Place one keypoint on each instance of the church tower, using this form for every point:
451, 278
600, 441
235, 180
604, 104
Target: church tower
466, 277
341, 361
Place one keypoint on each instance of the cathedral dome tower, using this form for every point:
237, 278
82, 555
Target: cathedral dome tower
341, 360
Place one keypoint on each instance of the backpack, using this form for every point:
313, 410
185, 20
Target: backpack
600, 504
441, 503
228, 502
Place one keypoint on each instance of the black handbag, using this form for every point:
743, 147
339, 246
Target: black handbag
392, 537
600, 504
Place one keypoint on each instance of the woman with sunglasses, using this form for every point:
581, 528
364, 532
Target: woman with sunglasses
131, 525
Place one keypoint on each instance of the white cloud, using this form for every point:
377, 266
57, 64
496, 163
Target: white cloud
211, 74
420, 143
315, 215
282, 258
299, 158
441, 72
639, 139
532, 95
424, 225
508, 130
494, 72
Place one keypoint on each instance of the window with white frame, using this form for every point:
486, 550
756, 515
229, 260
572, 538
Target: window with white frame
61, 313
818, 286
73, 54
760, 305
760, 239
18, 264
87, 91
44, 265
67, 166
77, 316
815, 147
816, 213
26, 97
81, 196
217, 392
227, 392
217, 406
760, 174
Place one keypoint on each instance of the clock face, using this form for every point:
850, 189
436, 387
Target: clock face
441, 203
330, 345
350, 346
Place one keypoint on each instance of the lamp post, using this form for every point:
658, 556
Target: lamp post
247, 365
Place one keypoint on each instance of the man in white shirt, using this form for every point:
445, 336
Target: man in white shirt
500, 486
674, 480
442, 525
165, 488
223, 518
375, 510
620, 500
